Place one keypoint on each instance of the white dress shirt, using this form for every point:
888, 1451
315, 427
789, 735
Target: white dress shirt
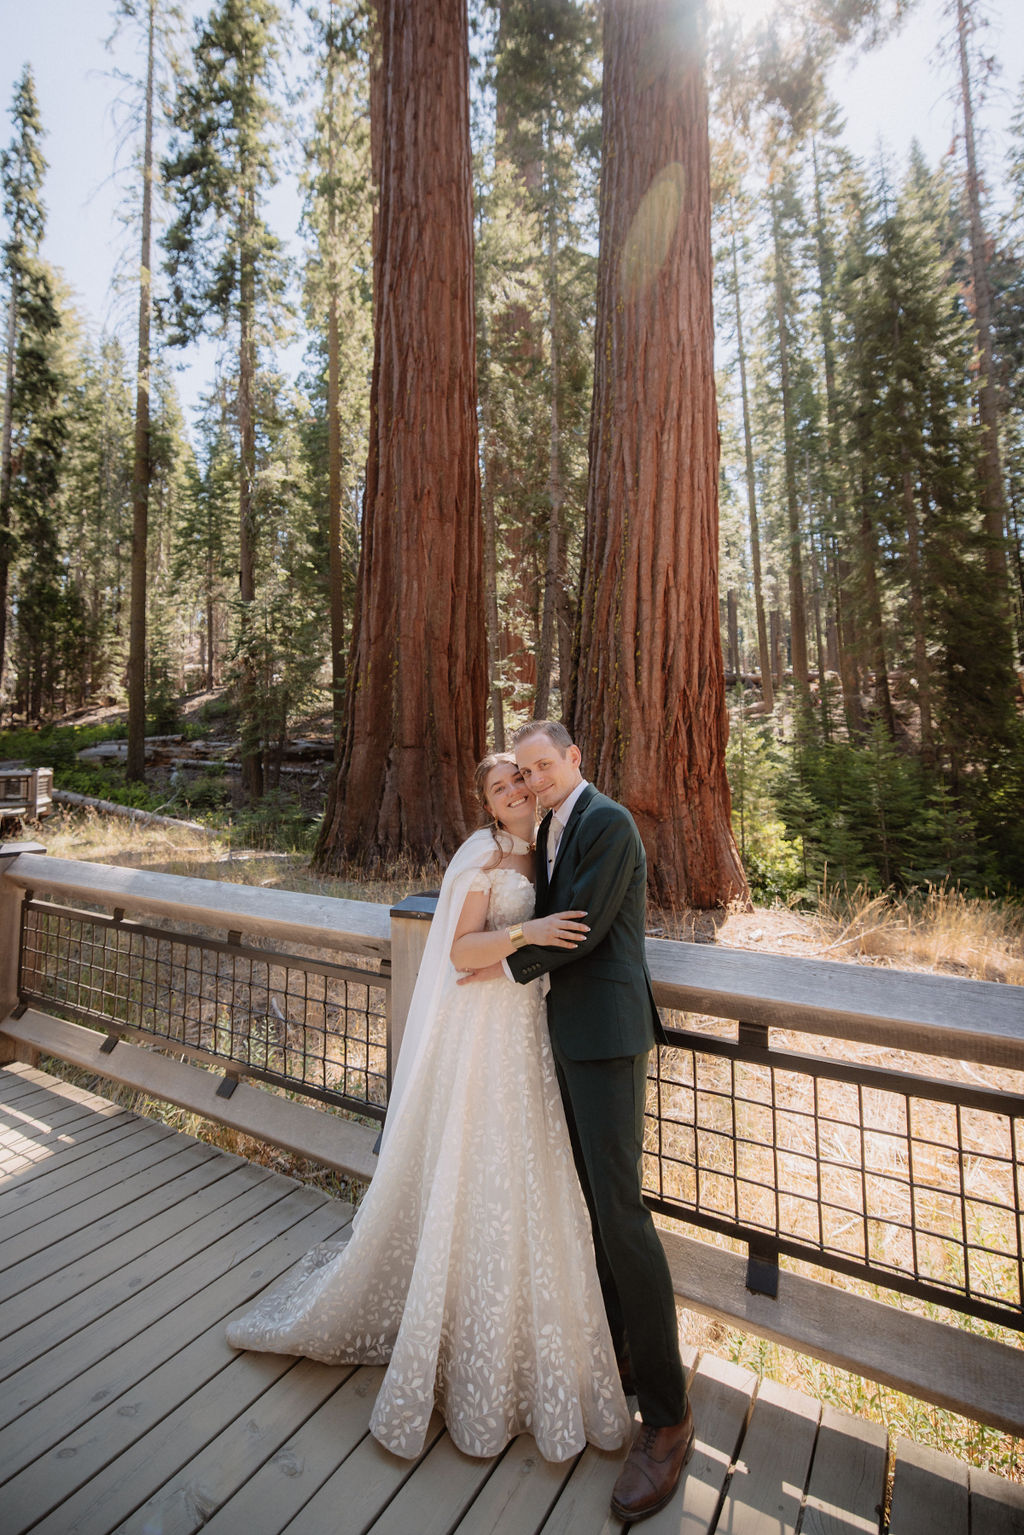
559, 821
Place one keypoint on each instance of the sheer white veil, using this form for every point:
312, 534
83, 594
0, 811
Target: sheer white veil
437, 975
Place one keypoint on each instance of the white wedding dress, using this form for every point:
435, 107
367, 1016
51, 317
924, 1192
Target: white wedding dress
471, 1265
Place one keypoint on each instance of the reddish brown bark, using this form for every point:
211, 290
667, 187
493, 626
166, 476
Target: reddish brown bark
649, 709
418, 675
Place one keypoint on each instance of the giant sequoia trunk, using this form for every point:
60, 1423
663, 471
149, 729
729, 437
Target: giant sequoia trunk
418, 677
649, 707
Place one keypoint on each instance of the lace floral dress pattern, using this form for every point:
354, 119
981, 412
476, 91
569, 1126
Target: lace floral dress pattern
470, 1269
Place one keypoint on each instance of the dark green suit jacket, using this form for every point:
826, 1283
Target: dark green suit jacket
601, 1004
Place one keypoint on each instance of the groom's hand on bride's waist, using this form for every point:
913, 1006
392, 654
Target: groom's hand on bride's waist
493, 972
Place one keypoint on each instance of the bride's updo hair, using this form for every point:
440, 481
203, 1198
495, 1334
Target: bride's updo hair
483, 771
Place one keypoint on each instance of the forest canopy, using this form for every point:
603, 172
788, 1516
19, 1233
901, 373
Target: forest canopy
841, 587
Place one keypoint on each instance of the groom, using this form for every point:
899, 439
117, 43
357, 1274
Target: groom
603, 1023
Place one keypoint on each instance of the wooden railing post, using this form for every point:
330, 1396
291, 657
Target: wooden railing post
11, 898
410, 925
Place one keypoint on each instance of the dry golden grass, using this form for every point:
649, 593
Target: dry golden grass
99, 838
939, 929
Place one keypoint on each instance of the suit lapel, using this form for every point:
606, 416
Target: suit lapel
542, 858
570, 830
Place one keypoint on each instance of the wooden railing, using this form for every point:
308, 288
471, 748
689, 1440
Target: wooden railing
806, 1115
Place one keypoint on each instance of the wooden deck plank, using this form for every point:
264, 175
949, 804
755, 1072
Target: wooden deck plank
21, 1071
25, 1139
27, 1095
17, 1077
766, 1487
22, 1095
846, 1490
174, 1478
29, 1257
14, 1077
996, 1505
446, 1483
18, 1085
182, 1233
929, 1492
288, 1480
720, 1394
585, 1500
71, 1144
333, 1139
26, 1202
34, 1098
34, 1179
37, 1287
36, 1379
23, 1146
363, 1485
143, 1418
62, 1442
519, 1494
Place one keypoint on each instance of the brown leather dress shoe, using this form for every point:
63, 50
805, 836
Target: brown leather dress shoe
653, 1468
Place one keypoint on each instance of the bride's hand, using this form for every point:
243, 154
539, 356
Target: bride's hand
560, 930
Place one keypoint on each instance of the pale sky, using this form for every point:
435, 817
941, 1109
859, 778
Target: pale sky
890, 96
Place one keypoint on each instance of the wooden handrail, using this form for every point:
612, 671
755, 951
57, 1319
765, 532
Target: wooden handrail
979, 1021
930, 1014
356, 927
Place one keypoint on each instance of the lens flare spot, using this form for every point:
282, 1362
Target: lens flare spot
652, 231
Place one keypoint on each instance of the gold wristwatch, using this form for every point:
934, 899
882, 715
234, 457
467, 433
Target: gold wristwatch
516, 936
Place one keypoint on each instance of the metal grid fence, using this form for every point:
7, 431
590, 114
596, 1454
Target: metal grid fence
905, 1181
313, 1026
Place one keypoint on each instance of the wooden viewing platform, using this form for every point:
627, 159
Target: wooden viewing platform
124, 1247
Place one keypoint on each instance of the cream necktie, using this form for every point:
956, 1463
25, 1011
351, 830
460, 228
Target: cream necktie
554, 838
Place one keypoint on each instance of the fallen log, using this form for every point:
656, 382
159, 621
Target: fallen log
146, 817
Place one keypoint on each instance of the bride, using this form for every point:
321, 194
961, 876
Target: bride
470, 1269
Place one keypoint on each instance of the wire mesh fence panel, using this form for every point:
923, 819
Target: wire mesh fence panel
906, 1181
910, 1182
315, 1026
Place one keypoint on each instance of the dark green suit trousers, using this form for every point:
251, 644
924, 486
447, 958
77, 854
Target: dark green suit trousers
603, 1024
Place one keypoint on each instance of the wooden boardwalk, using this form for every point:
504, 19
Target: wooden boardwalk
124, 1246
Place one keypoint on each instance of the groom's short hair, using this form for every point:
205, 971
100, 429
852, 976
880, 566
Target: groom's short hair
553, 729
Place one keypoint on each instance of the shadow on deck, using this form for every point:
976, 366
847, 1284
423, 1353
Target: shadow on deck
125, 1245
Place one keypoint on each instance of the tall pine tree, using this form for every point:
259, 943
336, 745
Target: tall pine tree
225, 267
34, 426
